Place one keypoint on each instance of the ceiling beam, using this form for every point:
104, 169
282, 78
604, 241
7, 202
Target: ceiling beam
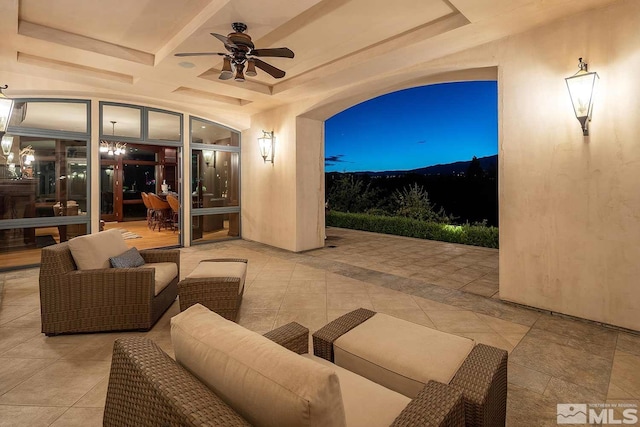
191, 27
76, 41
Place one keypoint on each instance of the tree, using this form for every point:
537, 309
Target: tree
413, 202
475, 169
350, 194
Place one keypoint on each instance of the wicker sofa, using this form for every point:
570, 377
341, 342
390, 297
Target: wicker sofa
147, 387
73, 300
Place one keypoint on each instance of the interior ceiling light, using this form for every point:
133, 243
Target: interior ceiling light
113, 148
241, 53
186, 64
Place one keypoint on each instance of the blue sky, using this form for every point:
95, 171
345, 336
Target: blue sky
414, 128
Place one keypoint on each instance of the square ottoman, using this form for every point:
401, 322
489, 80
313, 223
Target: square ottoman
218, 284
404, 356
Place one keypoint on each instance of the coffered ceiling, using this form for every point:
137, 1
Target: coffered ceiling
124, 49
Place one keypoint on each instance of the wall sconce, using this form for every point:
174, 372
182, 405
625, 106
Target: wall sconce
267, 143
6, 108
581, 88
7, 143
209, 155
27, 156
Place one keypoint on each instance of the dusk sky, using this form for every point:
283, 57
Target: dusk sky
414, 128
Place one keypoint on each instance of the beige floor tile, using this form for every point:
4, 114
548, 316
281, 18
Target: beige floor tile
349, 301
308, 275
304, 301
528, 378
11, 337
313, 319
263, 300
625, 373
80, 417
458, 321
410, 315
96, 397
15, 370
399, 301
481, 287
39, 348
428, 305
504, 327
28, 297
32, 416
62, 383
261, 285
307, 286
354, 286
489, 338
29, 320
616, 392
274, 275
448, 282
628, 343
334, 313
257, 319
12, 312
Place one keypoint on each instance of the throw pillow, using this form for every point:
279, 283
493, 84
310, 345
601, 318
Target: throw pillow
128, 259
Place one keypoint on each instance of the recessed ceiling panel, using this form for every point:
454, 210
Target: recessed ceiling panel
139, 24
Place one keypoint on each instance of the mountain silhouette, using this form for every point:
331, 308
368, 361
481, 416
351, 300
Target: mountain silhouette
488, 163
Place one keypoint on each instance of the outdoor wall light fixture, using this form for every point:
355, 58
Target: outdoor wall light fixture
581, 88
267, 142
6, 107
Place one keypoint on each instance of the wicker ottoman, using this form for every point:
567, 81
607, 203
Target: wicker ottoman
399, 355
218, 284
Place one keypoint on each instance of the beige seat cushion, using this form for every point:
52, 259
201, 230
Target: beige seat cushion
366, 404
265, 383
220, 269
165, 273
401, 355
94, 250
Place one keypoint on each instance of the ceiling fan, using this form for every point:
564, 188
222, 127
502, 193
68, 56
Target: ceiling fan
243, 53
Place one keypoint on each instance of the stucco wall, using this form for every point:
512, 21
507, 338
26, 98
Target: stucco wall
283, 202
569, 205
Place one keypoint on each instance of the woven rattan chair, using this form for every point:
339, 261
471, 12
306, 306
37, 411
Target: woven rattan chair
482, 378
147, 387
105, 299
161, 211
150, 212
174, 203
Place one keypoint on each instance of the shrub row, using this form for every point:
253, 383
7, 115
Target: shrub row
476, 235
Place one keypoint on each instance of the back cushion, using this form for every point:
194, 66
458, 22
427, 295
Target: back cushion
264, 382
94, 250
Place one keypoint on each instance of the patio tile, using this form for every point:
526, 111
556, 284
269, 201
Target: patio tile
628, 343
410, 315
257, 319
313, 319
489, 338
262, 285
262, 300
304, 301
60, 384
486, 288
96, 397
458, 321
429, 305
567, 363
527, 378
80, 417
33, 416
307, 286
383, 301
625, 373
349, 301
11, 337
39, 348
525, 406
15, 370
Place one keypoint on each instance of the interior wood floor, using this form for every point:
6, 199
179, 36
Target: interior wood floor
149, 239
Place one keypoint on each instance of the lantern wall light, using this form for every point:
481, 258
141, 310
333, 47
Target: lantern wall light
6, 108
581, 90
7, 143
267, 145
209, 155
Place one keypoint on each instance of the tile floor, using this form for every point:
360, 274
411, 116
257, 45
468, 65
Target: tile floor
61, 381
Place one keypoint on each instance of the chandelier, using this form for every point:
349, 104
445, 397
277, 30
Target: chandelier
112, 148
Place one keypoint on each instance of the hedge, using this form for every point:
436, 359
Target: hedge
476, 235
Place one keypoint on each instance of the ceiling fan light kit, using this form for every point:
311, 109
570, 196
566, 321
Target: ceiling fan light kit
242, 53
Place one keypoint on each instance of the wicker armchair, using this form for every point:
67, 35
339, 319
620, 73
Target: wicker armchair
105, 299
147, 387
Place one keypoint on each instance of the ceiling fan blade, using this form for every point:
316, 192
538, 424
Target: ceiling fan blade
280, 52
224, 39
275, 72
200, 54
